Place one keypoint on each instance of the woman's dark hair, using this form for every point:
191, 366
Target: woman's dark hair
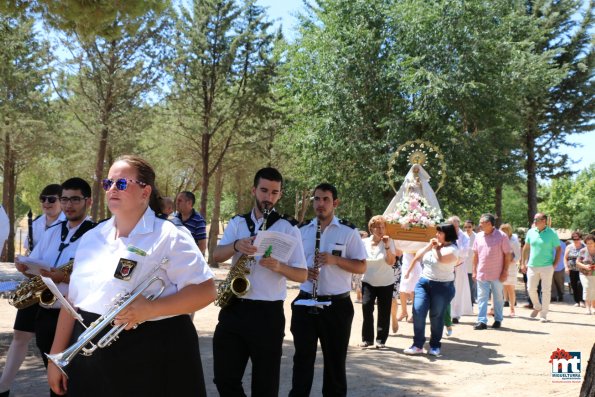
146, 174
450, 233
589, 237
52, 190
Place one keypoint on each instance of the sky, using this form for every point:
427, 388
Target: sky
283, 12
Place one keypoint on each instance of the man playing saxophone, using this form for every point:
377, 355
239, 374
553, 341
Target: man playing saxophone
252, 326
56, 247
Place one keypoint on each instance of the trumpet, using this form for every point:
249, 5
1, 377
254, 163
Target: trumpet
84, 343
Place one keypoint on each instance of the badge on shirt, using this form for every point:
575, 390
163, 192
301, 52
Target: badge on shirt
124, 269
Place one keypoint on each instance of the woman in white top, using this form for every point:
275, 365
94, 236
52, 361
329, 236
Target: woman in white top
510, 283
435, 289
161, 356
377, 282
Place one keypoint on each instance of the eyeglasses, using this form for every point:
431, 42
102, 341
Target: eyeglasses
468, 227
49, 199
73, 199
121, 184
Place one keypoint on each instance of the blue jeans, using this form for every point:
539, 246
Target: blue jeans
483, 296
432, 296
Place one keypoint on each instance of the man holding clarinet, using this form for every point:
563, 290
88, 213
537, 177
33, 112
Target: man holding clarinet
334, 250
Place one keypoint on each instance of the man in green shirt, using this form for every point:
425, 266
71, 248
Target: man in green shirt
539, 261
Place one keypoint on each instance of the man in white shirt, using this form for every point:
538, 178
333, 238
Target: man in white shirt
56, 248
470, 232
334, 251
253, 326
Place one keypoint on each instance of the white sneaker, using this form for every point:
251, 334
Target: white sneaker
413, 351
543, 320
434, 351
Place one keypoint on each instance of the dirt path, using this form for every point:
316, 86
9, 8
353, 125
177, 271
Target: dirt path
509, 361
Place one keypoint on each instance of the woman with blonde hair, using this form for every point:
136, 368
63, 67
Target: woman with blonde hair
377, 283
161, 356
510, 283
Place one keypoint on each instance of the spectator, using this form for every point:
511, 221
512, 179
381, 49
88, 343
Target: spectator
558, 278
586, 264
192, 219
570, 255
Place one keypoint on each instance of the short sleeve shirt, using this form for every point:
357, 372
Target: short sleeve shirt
337, 239
378, 272
440, 270
265, 284
196, 224
153, 244
490, 250
543, 245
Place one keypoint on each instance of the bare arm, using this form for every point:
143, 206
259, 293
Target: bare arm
291, 273
189, 299
221, 253
557, 257
525, 257
202, 246
357, 266
56, 379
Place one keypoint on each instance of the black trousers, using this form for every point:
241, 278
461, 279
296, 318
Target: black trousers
577, 287
157, 359
384, 296
332, 326
249, 329
45, 330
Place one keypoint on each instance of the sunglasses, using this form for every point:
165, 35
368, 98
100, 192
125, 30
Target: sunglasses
73, 199
49, 199
121, 184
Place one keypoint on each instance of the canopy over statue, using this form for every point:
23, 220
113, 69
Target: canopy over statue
417, 182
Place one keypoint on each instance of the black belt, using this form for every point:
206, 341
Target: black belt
256, 301
325, 298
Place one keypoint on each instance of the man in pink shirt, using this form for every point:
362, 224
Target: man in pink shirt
492, 253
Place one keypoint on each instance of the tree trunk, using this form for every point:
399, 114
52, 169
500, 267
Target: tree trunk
303, 207
204, 194
531, 170
97, 188
498, 203
8, 195
214, 230
588, 388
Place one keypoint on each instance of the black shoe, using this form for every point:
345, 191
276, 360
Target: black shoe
497, 324
479, 326
5, 393
455, 320
506, 304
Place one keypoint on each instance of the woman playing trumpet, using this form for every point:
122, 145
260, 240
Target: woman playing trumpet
161, 356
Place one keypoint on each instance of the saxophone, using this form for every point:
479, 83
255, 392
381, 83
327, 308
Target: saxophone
236, 283
34, 290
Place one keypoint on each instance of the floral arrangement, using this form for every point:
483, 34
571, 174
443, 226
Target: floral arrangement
414, 210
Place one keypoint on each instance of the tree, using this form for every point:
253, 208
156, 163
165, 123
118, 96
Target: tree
87, 18
108, 85
220, 79
23, 107
564, 105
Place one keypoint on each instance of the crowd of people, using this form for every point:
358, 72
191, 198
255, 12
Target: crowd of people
158, 256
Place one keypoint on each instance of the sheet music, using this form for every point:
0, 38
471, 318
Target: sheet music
33, 265
65, 304
282, 244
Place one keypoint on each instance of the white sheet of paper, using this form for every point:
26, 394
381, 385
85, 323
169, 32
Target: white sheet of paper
33, 265
283, 244
312, 302
65, 304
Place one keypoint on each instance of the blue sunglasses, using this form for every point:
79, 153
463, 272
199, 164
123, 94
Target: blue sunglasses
121, 184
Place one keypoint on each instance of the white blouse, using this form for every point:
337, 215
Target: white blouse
100, 258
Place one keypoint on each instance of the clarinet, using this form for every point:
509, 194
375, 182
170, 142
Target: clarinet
314, 309
30, 226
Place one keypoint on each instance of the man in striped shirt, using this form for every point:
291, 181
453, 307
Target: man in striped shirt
492, 254
192, 219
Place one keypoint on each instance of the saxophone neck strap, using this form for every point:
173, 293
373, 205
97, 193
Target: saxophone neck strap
271, 219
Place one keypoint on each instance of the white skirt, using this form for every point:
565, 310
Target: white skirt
512, 275
408, 285
461, 303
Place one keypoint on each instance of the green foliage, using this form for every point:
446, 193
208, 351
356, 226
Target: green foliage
88, 18
570, 201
